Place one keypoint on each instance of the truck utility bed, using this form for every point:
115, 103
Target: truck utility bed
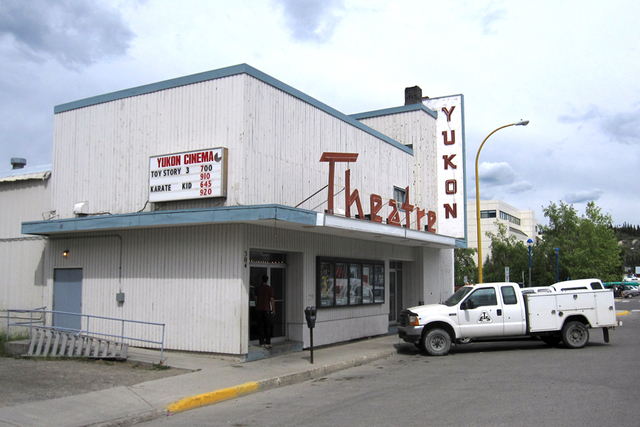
547, 311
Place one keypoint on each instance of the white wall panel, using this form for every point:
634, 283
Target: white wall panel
101, 152
21, 256
189, 278
27, 200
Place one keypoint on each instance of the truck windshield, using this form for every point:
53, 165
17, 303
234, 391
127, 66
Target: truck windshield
457, 297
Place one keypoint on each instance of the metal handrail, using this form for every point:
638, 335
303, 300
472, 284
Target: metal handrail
86, 331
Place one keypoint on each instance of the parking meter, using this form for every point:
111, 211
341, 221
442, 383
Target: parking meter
310, 314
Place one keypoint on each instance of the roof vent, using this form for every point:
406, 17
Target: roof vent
18, 162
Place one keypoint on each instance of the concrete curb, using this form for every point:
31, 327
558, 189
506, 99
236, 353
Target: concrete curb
220, 395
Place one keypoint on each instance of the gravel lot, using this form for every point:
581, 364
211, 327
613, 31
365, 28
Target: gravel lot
31, 380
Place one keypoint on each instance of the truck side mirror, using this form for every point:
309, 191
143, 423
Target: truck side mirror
310, 314
468, 305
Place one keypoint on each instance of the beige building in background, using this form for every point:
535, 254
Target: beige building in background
520, 223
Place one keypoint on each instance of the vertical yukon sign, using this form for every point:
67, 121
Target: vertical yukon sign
451, 164
190, 175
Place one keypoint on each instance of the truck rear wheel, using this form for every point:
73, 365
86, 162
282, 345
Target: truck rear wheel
575, 334
437, 342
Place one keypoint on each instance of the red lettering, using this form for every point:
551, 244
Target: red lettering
431, 221
451, 186
421, 214
453, 211
200, 157
448, 112
407, 207
447, 162
445, 134
393, 218
332, 158
349, 197
375, 202
165, 162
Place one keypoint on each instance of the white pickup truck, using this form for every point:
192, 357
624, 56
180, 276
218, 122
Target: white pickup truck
562, 312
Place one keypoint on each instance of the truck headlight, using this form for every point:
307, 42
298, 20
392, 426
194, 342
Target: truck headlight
413, 321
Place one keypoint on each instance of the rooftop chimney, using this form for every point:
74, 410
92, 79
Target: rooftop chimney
18, 162
412, 95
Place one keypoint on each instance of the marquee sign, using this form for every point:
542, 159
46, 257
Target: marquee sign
452, 210
189, 175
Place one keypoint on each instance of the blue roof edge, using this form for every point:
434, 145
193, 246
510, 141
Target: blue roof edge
395, 110
169, 218
25, 171
220, 73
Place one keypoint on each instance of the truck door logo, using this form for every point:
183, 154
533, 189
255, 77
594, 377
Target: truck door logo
484, 318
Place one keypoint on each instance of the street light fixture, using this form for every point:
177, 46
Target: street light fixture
557, 250
530, 244
520, 123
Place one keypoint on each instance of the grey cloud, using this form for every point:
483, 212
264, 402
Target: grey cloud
583, 196
71, 32
495, 174
623, 127
490, 16
520, 187
592, 113
312, 20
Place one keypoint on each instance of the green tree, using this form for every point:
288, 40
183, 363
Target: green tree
505, 252
588, 245
465, 266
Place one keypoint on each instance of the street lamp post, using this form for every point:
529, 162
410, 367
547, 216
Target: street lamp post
557, 264
530, 244
520, 123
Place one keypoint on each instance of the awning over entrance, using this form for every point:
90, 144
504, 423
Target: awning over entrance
266, 215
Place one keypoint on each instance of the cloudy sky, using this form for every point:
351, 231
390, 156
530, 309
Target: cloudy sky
570, 67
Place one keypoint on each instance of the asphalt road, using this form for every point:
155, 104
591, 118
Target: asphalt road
507, 383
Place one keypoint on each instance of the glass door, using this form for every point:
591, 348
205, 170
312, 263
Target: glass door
276, 271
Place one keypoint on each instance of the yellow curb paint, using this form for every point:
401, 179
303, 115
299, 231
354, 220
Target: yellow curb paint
212, 397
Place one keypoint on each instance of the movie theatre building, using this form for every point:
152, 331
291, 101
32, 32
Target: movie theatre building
171, 201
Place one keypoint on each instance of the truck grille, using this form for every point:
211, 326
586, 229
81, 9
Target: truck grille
404, 318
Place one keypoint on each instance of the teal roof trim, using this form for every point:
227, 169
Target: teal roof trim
232, 214
395, 110
220, 73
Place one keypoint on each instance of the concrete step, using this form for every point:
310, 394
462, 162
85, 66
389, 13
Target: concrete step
277, 349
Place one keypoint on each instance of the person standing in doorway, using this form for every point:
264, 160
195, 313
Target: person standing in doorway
266, 310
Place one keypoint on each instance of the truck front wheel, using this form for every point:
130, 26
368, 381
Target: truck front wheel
437, 342
575, 334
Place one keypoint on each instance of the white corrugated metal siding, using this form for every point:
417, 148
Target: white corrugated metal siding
22, 265
275, 142
189, 278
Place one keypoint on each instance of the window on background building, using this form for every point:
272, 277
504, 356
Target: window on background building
343, 282
488, 214
510, 218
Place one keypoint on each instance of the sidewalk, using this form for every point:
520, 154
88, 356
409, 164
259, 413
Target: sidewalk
215, 380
